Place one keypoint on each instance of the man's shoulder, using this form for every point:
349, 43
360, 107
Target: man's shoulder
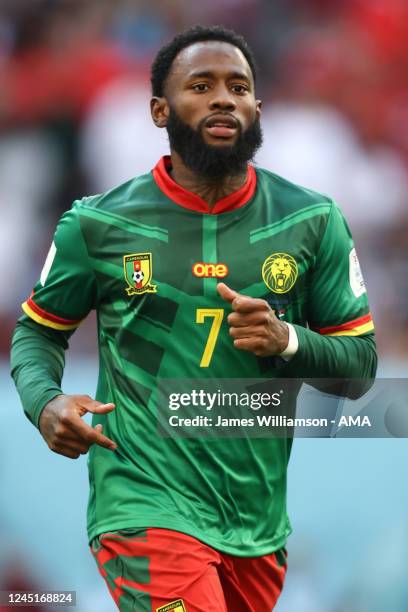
136, 190
293, 196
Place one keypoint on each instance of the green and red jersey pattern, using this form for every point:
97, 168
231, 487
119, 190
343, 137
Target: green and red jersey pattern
230, 493
194, 578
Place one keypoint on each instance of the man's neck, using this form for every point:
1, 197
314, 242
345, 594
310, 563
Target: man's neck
210, 191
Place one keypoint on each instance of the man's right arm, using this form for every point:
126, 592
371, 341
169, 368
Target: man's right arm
37, 363
63, 296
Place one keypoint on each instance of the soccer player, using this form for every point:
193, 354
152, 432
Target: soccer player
206, 267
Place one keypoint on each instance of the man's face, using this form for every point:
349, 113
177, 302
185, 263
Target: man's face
209, 109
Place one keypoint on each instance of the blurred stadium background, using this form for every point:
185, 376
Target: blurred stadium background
74, 90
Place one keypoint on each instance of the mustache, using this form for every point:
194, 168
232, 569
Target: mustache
211, 161
220, 117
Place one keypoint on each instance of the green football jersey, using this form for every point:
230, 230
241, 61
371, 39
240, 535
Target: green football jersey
148, 256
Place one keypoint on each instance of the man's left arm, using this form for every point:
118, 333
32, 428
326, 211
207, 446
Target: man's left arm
339, 342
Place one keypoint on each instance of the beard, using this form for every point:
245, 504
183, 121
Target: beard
210, 161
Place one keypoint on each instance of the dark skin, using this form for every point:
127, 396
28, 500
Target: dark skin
253, 324
207, 79
64, 430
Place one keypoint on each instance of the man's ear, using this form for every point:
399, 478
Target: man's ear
258, 108
159, 109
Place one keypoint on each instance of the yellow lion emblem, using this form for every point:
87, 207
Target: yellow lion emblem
280, 272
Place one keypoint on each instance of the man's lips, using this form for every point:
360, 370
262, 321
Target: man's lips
220, 131
221, 126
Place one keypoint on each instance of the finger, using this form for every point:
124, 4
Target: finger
79, 448
91, 435
91, 405
68, 428
250, 331
244, 304
74, 442
66, 451
102, 408
226, 292
258, 317
257, 345
69, 434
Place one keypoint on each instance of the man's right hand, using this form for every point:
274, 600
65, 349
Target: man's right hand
65, 432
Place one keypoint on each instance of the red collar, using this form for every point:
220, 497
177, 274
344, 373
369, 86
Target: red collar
191, 200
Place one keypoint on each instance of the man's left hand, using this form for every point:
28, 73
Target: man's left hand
253, 324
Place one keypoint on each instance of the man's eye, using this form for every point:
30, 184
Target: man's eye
200, 87
239, 89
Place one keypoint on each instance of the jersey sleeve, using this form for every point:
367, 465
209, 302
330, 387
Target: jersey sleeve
66, 290
338, 304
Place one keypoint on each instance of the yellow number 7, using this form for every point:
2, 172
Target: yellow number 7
217, 314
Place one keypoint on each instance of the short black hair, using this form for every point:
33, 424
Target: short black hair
165, 57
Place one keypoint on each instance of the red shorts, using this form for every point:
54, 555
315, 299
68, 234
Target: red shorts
158, 570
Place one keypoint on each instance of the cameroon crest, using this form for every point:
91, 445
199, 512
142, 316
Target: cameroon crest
138, 273
280, 272
174, 606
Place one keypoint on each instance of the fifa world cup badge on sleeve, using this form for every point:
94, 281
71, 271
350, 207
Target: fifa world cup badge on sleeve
356, 276
138, 273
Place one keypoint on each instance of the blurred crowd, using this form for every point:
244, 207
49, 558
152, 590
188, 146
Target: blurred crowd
74, 119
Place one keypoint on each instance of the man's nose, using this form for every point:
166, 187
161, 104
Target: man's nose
222, 99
